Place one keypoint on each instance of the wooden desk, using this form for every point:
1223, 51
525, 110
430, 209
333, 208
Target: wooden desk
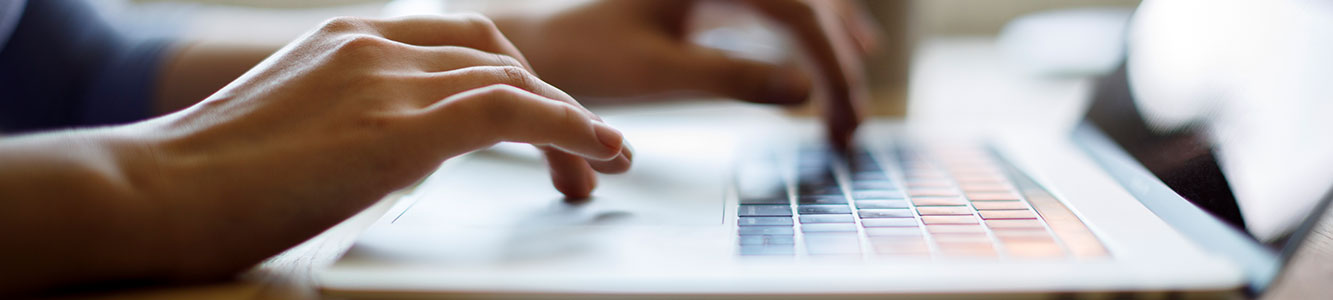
951, 76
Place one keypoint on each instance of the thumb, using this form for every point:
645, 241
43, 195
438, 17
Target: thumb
715, 72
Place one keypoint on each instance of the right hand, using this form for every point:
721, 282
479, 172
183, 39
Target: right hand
614, 48
340, 118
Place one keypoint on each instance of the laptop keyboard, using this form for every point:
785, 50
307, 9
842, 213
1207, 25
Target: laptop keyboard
901, 202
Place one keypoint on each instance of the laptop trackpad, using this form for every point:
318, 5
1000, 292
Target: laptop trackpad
510, 186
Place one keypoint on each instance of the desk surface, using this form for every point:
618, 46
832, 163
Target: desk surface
950, 77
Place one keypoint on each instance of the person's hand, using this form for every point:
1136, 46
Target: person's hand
616, 48
345, 115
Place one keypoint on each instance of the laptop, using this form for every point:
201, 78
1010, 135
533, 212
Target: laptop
728, 200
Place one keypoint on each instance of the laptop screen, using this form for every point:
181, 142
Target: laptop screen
1230, 104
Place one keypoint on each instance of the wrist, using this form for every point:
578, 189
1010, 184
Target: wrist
76, 208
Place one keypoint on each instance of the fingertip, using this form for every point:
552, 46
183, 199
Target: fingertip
576, 188
582, 191
570, 174
842, 131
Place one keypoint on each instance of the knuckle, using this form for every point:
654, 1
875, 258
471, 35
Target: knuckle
487, 31
363, 46
505, 60
570, 116
479, 22
495, 103
362, 41
515, 76
343, 24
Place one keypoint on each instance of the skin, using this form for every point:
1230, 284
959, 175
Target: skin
333, 122
286, 143
653, 54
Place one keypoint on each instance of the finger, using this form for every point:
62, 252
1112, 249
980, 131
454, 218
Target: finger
466, 30
570, 174
434, 59
503, 113
713, 71
835, 60
430, 87
441, 84
861, 27
620, 164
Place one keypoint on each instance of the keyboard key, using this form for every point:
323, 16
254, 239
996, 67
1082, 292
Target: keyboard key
979, 178
933, 220
889, 222
986, 187
765, 200
764, 211
893, 231
1007, 214
820, 190
832, 245
768, 250
823, 209
937, 201
806, 219
1014, 224
961, 238
1031, 249
828, 227
835, 238
886, 213
932, 192
967, 249
955, 229
905, 249
839, 199
821, 175
1023, 235
930, 183
764, 221
917, 238
876, 175
859, 185
944, 210
991, 205
750, 240
993, 196
766, 230
878, 194
863, 167
863, 204
925, 174
973, 169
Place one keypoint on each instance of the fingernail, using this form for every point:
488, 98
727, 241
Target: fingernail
628, 150
787, 86
609, 137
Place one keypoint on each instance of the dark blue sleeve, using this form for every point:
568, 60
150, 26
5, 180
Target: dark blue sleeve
64, 66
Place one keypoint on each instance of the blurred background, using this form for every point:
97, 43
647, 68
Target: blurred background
935, 17
1090, 28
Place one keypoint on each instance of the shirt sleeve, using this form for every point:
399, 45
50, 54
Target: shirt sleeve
64, 66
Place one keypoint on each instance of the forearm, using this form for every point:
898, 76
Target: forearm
71, 211
197, 69
125, 203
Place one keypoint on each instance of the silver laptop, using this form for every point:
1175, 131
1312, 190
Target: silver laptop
733, 200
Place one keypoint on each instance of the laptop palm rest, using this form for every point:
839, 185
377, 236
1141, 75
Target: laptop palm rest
509, 186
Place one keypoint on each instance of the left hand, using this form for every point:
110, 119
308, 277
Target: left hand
613, 48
